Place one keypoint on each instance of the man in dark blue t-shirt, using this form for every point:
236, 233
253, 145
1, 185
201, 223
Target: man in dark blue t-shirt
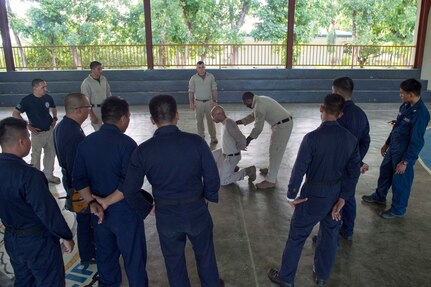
38, 106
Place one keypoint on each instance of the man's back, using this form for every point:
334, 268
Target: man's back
175, 163
25, 200
102, 159
355, 121
324, 155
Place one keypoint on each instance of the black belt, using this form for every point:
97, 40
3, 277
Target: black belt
179, 201
203, 101
26, 231
97, 105
232, 154
283, 121
323, 183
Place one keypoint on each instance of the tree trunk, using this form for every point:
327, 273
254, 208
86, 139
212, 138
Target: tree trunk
76, 58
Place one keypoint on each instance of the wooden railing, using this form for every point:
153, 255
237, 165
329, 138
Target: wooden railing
214, 55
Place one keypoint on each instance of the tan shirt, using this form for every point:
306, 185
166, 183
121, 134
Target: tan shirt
232, 138
95, 91
202, 87
265, 109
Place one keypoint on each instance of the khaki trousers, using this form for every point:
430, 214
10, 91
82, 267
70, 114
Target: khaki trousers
204, 109
277, 146
226, 166
45, 141
98, 113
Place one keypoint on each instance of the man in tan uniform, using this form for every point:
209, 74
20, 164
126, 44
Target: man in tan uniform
97, 89
202, 97
233, 141
269, 110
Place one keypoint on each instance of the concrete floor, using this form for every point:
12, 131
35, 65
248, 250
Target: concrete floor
251, 227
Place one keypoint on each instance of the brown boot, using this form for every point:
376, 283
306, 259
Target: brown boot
251, 173
265, 185
263, 171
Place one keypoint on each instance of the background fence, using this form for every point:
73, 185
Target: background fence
214, 55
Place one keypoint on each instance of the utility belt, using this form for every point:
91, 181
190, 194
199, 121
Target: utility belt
203, 101
232, 154
329, 183
179, 201
283, 121
26, 231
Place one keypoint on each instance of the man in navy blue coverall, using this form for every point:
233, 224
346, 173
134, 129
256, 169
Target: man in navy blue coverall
34, 223
329, 158
183, 175
401, 151
67, 135
100, 168
355, 121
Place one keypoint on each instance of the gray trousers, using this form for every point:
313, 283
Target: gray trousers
204, 109
45, 141
279, 138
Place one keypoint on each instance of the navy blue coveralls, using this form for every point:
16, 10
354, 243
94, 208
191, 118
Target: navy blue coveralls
34, 224
355, 121
329, 158
405, 142
183, 173
67, 135
101, 163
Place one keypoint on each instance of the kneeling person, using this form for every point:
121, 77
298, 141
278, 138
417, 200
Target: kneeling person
233, 141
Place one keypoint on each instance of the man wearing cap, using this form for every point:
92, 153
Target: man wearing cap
227, 158
184, 176
202, 97
322, 195
97, 89
34, 223
67, 135
100, 170
266, 109
38, 107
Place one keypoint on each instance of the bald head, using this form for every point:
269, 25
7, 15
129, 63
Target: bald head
73, 101
217, 114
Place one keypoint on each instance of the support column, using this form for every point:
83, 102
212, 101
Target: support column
290, 32
148, 35
421, 33
7, 45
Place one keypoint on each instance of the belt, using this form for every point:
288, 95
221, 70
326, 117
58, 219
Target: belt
97, 105
26, 231
283, 121
232, 154
179, 201
203, 101
323, 183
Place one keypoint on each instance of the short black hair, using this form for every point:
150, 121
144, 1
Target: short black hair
36, 82
95, 64
113, 108
247, 96
11, 129
411, 86
163, 108
344, 84
200, 63
334, 104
